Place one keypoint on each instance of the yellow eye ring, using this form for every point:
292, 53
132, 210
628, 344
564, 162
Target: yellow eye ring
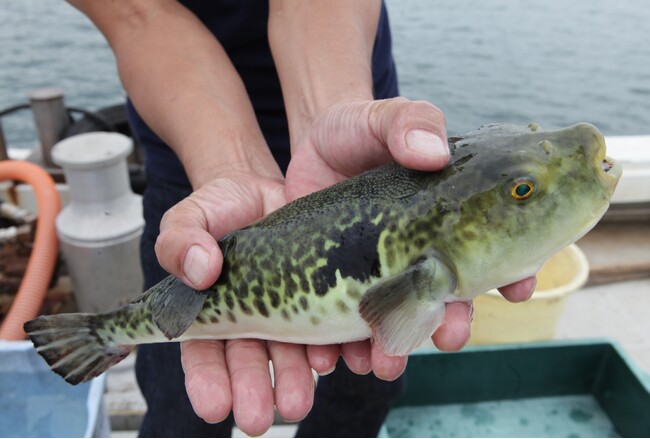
523, 189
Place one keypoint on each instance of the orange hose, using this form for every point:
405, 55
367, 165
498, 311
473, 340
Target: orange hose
40, 267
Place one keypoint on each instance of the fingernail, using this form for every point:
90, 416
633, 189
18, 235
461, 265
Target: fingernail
425, 142
196, 263
327, 372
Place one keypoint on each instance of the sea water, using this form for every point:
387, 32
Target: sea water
555, 63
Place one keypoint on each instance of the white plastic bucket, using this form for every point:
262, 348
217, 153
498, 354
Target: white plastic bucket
498, 321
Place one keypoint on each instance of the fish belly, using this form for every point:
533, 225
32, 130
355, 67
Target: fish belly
302, 329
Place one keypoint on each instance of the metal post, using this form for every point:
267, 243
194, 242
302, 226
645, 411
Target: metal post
51, 119
3, 146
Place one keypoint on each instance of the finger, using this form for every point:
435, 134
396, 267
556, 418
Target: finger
519, 291
294, 381
385, 367
323, 358
185, 248
358, 136
454, 332
250, 379
357, 356
414, 131
206, 379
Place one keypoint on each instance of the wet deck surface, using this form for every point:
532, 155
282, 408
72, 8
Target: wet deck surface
615, 305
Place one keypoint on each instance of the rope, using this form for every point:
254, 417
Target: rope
95, 117
13, 109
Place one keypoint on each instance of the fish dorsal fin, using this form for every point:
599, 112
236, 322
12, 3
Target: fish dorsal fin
175, 306
404, 310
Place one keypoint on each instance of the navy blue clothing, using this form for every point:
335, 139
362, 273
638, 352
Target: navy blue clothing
241, 28
345, 404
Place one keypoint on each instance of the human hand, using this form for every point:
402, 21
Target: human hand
220, 376
350, 138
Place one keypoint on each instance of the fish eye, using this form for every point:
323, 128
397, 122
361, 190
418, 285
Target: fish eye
522, 189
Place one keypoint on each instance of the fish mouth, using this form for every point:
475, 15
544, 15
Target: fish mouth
610, 166
610, 173
609, 169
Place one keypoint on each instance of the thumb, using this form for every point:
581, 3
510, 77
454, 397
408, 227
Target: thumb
357, 136
186, 246
186, 249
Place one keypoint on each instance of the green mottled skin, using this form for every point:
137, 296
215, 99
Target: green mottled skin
312, 260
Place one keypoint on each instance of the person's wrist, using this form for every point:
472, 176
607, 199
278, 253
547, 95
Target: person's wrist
252, 161
325, 111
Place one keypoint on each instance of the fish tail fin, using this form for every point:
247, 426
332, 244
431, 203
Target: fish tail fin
72, 346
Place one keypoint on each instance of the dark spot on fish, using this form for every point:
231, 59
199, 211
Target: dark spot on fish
231, 316
294, 308
230, 302
261, 307
149, 330
209, 302
267, 264
303, 303
419, 243
200, 319
346, 217
375, 210
234, 269
354, 293
218, 311
274, 298
214, 319
354, 258
388, 241
130, 334
421, 227
304, 284
320, 283
469, 235
342, 306
245, 308
314, 320
319, 242
285, 314
257, 290
275, 281
290, 285
376, 268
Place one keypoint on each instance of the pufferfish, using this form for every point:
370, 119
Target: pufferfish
376, 256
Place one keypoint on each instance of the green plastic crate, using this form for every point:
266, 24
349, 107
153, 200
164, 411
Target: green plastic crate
550, 389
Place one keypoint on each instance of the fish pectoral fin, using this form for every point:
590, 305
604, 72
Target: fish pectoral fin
175, 306
404, 310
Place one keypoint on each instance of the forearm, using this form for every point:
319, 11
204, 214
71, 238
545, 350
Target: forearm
323, 52
183, 85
